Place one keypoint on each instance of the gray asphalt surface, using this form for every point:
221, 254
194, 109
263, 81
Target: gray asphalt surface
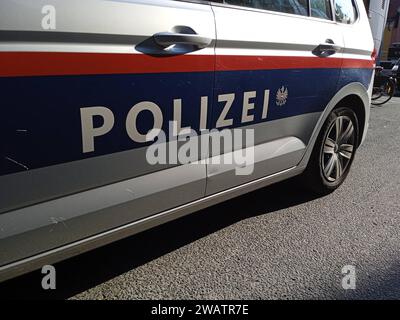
276, 243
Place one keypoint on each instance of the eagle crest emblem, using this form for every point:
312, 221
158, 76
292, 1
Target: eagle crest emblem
282, 96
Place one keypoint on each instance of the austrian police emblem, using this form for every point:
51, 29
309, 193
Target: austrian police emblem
282, 96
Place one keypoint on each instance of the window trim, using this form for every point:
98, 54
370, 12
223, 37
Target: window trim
357, 12
223, 4
208, 2
331, 9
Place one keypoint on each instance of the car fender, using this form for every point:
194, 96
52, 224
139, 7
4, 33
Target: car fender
354, 88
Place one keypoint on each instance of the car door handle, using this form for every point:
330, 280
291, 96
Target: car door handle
326, 49
166, 39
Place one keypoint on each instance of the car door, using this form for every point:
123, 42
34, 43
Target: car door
278, 64
353, 21
82, 82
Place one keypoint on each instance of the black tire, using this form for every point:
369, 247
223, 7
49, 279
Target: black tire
376, 93
387, 91
314, 177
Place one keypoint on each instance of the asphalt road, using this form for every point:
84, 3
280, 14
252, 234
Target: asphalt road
276, 243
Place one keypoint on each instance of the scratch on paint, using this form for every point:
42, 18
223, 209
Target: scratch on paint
17, 163
58, 220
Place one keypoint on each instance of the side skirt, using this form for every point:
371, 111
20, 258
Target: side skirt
67, 251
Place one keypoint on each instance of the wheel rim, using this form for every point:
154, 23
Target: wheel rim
338, 148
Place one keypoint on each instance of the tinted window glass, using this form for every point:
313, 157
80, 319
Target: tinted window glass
299, 7
321, 9
345, 11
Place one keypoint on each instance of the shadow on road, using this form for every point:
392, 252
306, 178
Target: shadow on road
93, 268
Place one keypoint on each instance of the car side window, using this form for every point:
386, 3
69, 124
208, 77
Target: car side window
321, 9
299, 7
345, 11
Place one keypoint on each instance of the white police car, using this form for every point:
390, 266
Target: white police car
84, 82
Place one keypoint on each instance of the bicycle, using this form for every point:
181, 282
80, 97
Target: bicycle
384, 87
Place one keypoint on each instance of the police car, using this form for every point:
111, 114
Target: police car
84, 82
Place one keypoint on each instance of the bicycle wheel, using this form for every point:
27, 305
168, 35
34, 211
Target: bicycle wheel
376, 93
386, 93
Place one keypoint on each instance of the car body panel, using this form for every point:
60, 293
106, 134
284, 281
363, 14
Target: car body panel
90, 60
61, 195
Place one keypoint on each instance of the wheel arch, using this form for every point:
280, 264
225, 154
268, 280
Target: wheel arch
354, 96
355, 103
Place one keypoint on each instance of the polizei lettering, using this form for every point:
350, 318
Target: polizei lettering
157, 119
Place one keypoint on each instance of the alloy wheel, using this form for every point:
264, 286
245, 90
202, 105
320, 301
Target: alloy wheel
338, 149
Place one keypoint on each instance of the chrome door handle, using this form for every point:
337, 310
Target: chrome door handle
326, 49
166, 39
